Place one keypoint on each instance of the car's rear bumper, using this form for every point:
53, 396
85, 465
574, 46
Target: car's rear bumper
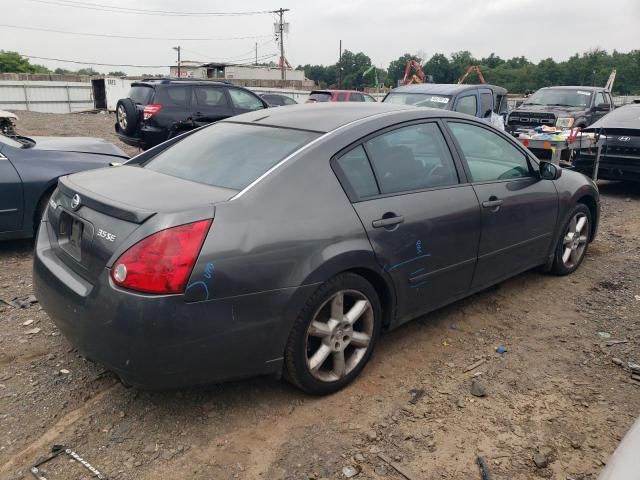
145, 137
161, 341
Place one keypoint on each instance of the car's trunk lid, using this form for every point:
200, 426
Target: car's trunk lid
78, 144
102, 212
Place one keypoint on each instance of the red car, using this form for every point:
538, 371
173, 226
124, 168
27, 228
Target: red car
339, 96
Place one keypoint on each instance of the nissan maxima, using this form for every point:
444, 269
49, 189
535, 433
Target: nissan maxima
285, 241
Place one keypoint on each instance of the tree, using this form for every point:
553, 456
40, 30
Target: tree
88, 71
13, 62
117, 74
439, 68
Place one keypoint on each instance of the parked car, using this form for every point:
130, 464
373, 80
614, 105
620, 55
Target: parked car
624, 463
317, 96
287, 240
620, 155
157, 110
476, 100
29, 171
277, 99
563, 107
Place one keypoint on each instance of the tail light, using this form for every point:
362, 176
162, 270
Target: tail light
150, 110
162, 262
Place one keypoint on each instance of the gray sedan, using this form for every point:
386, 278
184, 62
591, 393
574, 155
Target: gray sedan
285, 241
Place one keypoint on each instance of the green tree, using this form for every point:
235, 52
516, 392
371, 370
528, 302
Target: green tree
13, 62
88, 71
439, 68
117, 74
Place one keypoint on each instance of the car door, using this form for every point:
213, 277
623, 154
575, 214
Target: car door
11, 196
486, 103
422, 220
467, 103
356, 97
209, 104
244, 101
519, 210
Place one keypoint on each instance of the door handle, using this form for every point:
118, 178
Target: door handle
387, 221
493, 202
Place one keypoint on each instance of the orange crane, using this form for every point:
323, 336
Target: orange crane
472, 68
418, 77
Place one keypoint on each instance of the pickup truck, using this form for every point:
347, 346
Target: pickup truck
562, 107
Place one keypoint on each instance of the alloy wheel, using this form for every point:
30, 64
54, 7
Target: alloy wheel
122, 117
575, 240
339, 335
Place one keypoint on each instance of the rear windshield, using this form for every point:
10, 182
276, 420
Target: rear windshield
229, 155
140, 94
418, 99
320, 96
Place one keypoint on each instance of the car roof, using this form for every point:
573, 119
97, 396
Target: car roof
446, 88
330, 90
325, 117
574, 87
627, 117
175, 81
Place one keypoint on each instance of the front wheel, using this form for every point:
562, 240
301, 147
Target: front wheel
334, 335
572, 245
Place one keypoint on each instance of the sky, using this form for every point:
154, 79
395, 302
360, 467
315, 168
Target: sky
384, 30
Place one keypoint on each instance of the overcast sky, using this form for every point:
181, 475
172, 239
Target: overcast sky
384, 30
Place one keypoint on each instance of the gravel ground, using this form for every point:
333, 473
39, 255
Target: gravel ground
555, 405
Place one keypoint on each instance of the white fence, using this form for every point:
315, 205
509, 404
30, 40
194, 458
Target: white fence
51, 97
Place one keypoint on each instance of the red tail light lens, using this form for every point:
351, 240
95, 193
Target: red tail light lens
162, 262
150, 110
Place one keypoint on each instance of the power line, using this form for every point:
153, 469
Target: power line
139, 11
132, 37
78, 62
234, 57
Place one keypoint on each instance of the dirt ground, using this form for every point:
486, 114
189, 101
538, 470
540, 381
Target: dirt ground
556, 405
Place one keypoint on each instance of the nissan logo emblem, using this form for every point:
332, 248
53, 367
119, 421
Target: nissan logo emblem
75, 201
624, 139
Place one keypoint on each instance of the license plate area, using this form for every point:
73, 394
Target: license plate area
70, 235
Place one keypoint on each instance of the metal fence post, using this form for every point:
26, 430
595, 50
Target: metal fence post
68, 97
26, 96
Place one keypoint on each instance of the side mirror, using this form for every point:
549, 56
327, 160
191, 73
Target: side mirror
603, 107
550, 171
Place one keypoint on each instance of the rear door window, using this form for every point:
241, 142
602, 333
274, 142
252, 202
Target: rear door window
600, 99
486, 104
209, 97
369, 98
244, 101
141, 95
229, 155
412, 158
468, 105
356, 169
342, 97
174, 95
356, 97
320, 96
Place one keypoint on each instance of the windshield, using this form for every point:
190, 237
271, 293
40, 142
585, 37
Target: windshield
140, 94
320, 96
229, 155
418, 99
10, 141
565, 97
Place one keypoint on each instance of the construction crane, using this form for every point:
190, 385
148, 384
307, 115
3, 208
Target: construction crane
471, 69
612, 78
373, 69
418, 77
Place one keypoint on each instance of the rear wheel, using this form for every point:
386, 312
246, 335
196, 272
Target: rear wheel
574, 242
126, 116
334, 335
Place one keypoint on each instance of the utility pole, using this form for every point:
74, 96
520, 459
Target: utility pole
256, 54
178, 50
340, 66
280, 12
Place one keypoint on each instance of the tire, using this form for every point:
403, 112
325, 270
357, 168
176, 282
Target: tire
126, 116
573, 243
313, 353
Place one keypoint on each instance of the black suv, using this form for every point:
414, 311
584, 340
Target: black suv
562, 107
157, 110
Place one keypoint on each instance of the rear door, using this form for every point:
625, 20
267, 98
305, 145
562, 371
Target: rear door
519, 210
209, 104
422, 220
175, 106
11, 196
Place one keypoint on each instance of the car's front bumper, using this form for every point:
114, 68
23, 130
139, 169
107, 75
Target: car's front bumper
162, 341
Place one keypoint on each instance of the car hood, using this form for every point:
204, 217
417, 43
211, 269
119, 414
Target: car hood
91, 145
549, 108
